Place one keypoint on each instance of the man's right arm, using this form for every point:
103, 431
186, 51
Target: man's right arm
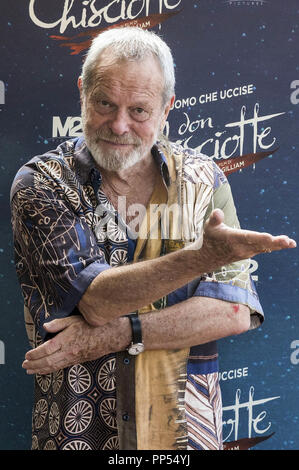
124, 289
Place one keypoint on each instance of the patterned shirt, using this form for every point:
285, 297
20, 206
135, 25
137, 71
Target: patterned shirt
66, 232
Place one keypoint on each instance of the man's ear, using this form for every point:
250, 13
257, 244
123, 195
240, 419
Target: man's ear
79, 84
168, 107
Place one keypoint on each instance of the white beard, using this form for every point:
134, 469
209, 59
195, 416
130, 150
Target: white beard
114, 159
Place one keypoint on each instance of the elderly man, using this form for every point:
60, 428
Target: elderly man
132, 264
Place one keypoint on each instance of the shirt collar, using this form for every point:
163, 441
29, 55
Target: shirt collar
85, 164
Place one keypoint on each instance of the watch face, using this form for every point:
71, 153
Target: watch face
135, 349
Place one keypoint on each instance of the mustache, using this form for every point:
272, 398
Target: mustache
107, 134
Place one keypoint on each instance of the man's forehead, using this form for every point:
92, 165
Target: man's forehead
136, 75
109, 57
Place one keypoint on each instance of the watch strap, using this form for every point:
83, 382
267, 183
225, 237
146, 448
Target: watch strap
136, 328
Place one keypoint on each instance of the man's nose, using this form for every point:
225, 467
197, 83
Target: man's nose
120, 122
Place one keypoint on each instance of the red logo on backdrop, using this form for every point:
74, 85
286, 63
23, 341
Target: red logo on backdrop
81, 42
78, 46
232, 165
245, 444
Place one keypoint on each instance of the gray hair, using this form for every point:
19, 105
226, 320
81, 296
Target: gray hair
130, 43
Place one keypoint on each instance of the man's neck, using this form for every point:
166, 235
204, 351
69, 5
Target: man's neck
126, 181
136, 184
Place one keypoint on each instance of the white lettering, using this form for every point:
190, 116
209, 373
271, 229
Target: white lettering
253, 122
295, 94
170, 7
131, 15
215, 148
208, 97
166, 214
194, 125
249, 407
184, 102
71, 128
136, 223
167, 459
233, 374
295, 354
119, 460
173, 221
2, 92
253, 268
41, 23
91, 15
2, 353
238, 91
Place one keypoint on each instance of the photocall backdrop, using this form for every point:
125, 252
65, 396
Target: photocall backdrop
237, 100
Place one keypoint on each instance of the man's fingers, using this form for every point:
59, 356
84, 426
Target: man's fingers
58, 352
45, 349
258, 241
268, 243
58, 324
216, 217
52, 345
285, 242
46, 365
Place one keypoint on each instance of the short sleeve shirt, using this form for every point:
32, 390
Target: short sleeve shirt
66, 232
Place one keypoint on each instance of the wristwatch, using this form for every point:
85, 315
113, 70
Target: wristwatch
136, 347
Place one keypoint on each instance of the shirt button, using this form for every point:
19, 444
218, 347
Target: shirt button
126, 417
126, 361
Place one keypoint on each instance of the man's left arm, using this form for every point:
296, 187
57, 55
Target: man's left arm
232, 282
197, 320
220, 305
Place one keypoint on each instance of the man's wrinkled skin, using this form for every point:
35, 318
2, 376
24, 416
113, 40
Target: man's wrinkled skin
77, 341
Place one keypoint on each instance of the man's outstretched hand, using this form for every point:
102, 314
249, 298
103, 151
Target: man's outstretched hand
222, 245
77, 341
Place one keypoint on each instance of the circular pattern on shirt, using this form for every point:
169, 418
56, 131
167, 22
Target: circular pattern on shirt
111, 444
118, 257
34, 445
103, 200
100, 231
106, 375
89, 217
52, 167
54, 418
79, 378
40, 180
40, 413
73, 196
76, 445
107, 410
115, 232
50, 445
44, 381
78, 417
88, 195
57, 381
38, 339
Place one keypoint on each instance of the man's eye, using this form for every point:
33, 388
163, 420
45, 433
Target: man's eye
140, 114
103, 106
